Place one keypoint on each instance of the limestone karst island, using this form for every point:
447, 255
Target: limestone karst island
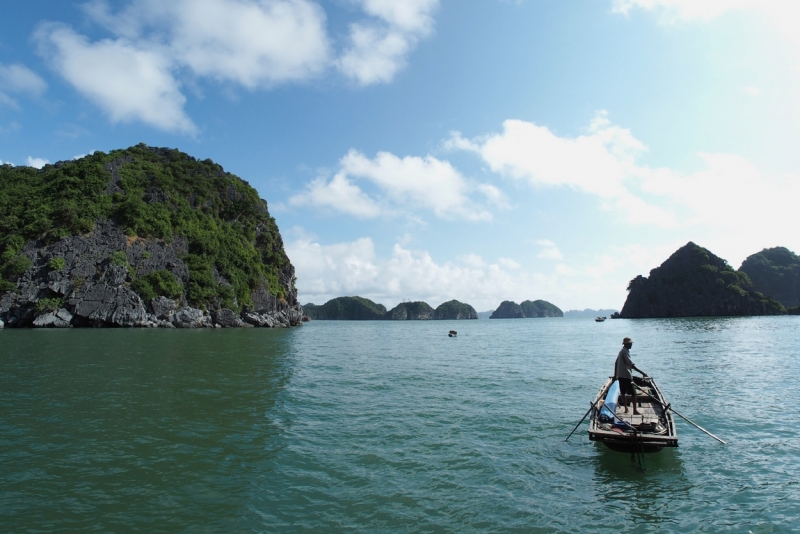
140, 237
152, 237
693, 282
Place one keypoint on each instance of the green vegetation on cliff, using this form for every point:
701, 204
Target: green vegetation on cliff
454, 309
528, 309
362, 309
775, 272
346, 308
411, 311
234, 245
540, 308
693, 282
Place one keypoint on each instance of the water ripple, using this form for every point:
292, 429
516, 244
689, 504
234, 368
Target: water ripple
365, 427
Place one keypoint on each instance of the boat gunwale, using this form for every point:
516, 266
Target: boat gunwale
638, 439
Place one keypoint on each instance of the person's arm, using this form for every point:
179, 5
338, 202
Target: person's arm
638, 370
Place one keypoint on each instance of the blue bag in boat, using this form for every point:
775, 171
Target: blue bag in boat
609, 407
623, 425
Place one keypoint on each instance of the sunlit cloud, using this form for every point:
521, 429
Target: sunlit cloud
601, 162
378, 49
37, 163
549, 250
404, 184
355, 268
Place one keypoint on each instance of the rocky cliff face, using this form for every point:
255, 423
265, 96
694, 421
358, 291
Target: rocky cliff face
145, 259
775, 272
454, 310
411, 311
508, 310
693, 282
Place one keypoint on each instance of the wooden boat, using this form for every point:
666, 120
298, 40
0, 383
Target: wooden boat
651, 431
599, 319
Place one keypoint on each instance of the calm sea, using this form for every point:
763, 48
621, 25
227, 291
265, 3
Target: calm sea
393, 427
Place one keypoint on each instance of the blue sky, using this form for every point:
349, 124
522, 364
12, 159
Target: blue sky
481, 150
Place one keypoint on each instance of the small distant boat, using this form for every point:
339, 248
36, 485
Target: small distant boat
452, 333
599, 319
651, 431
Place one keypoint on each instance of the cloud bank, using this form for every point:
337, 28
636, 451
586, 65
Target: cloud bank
353, 268
729, 205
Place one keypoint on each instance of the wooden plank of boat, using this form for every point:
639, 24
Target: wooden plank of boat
651, 431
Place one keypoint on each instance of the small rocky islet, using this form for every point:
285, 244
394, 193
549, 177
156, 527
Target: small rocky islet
362, 309
144, 237
527, 309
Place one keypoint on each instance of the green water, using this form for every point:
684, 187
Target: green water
373, 426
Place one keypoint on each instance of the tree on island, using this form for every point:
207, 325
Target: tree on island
693, 282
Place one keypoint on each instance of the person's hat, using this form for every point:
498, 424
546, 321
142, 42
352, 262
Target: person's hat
626, 340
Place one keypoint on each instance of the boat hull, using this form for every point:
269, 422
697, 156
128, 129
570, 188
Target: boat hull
649, 432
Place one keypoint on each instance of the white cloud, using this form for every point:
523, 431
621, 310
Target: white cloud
127, 82
508, 263
340, 195
472, 260
784, 15
743, 207
494, 196
752, 91
407, 183
253, 44
378, 49
602, 162
549, 250
37, 163
16, 78
687, 9
354, 268
21, 79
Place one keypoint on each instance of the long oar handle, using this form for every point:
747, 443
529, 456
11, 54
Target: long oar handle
669, 407
698, 426
581, 421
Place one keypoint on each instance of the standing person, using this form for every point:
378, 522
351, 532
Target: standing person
622, 372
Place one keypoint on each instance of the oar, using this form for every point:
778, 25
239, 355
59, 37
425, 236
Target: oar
696, 425
581, 421
669, 407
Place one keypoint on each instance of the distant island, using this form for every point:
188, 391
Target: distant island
589, 313
527, 309
145, 237
693, 282
363, 309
